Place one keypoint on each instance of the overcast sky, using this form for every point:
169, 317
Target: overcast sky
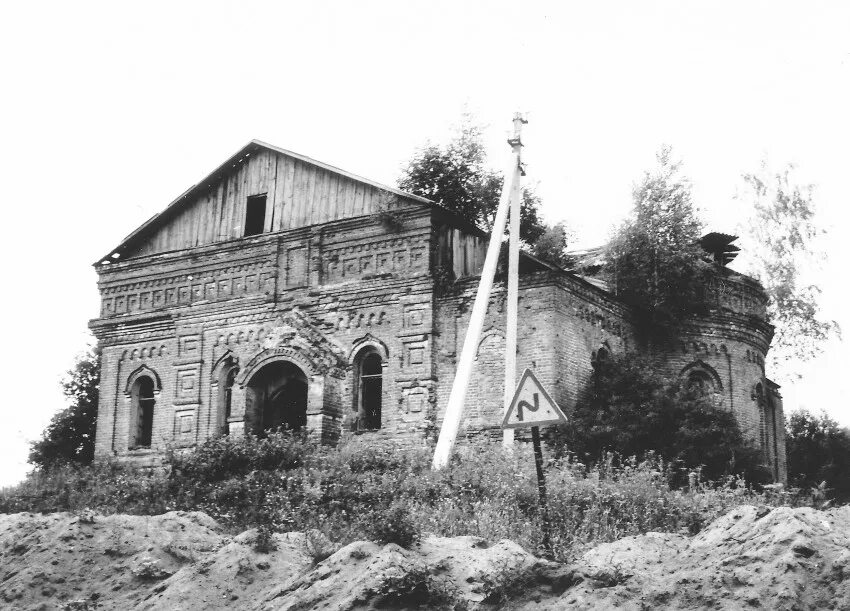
109, 110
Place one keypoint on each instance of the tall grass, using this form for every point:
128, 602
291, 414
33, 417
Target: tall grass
357, 491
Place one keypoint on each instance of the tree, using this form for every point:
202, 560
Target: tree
784, 236
654, 260
456, 176
552, 245
70, 435
632, 410
818, 450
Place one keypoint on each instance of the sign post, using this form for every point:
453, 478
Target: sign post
532, 407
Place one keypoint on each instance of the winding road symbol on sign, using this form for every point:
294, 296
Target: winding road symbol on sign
532, 405
527, 406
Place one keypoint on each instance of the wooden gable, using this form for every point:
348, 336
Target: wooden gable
299, 192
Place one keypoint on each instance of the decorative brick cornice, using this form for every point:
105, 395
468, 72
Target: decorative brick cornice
730, 326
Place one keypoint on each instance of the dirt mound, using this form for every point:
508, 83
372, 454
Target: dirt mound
79, 561
237, 576
782, 559
439, 573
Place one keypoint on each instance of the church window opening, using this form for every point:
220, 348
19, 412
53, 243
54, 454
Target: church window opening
601, 357
143, 398
369, 389
227, 398
255, 215
700, 386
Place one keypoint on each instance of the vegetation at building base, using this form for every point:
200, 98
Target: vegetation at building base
818, 453
654, 260
633, 410
357, 491
70, 435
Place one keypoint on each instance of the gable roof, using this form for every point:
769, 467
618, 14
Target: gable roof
177, 205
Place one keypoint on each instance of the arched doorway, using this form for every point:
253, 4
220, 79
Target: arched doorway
276, 398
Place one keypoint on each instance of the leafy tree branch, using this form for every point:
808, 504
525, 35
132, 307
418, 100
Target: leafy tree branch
785, 234
457, 177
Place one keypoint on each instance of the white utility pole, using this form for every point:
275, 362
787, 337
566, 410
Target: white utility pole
513, 278
454, 409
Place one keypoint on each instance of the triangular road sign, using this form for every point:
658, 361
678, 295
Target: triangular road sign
532, 405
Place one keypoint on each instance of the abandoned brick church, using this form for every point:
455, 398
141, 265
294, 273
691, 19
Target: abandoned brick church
282, 291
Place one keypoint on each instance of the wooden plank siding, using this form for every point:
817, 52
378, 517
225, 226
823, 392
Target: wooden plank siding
298, 194
462, 252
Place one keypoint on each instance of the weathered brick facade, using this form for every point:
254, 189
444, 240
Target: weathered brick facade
346, 313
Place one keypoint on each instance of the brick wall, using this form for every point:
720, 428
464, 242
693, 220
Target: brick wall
562, 321
318, 296
181, 315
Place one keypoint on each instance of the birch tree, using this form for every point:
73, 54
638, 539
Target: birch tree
785, 234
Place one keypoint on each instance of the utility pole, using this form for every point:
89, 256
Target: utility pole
454, 409
513, 276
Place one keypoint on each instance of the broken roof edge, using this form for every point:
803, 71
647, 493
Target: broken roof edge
236, 157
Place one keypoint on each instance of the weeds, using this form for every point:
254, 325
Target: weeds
318, 546
355, 491
393, 525
506, 581
418, 588
264, 540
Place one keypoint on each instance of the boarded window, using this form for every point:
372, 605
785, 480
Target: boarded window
255, 215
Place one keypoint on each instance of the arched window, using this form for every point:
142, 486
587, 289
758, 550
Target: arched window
600, 357
700, 382
143, 405
699, 385
227, 397
368, 389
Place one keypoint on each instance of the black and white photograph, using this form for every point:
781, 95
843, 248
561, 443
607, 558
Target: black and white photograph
467, 305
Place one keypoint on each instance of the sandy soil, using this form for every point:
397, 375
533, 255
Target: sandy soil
749, 558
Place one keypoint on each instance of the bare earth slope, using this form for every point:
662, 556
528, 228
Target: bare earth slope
782, 559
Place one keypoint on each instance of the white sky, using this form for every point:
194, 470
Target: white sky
110, 110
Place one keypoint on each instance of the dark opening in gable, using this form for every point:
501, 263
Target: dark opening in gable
255, 215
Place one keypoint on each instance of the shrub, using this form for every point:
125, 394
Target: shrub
633, 410
392, 525
416, 588
224, 457
264, 539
